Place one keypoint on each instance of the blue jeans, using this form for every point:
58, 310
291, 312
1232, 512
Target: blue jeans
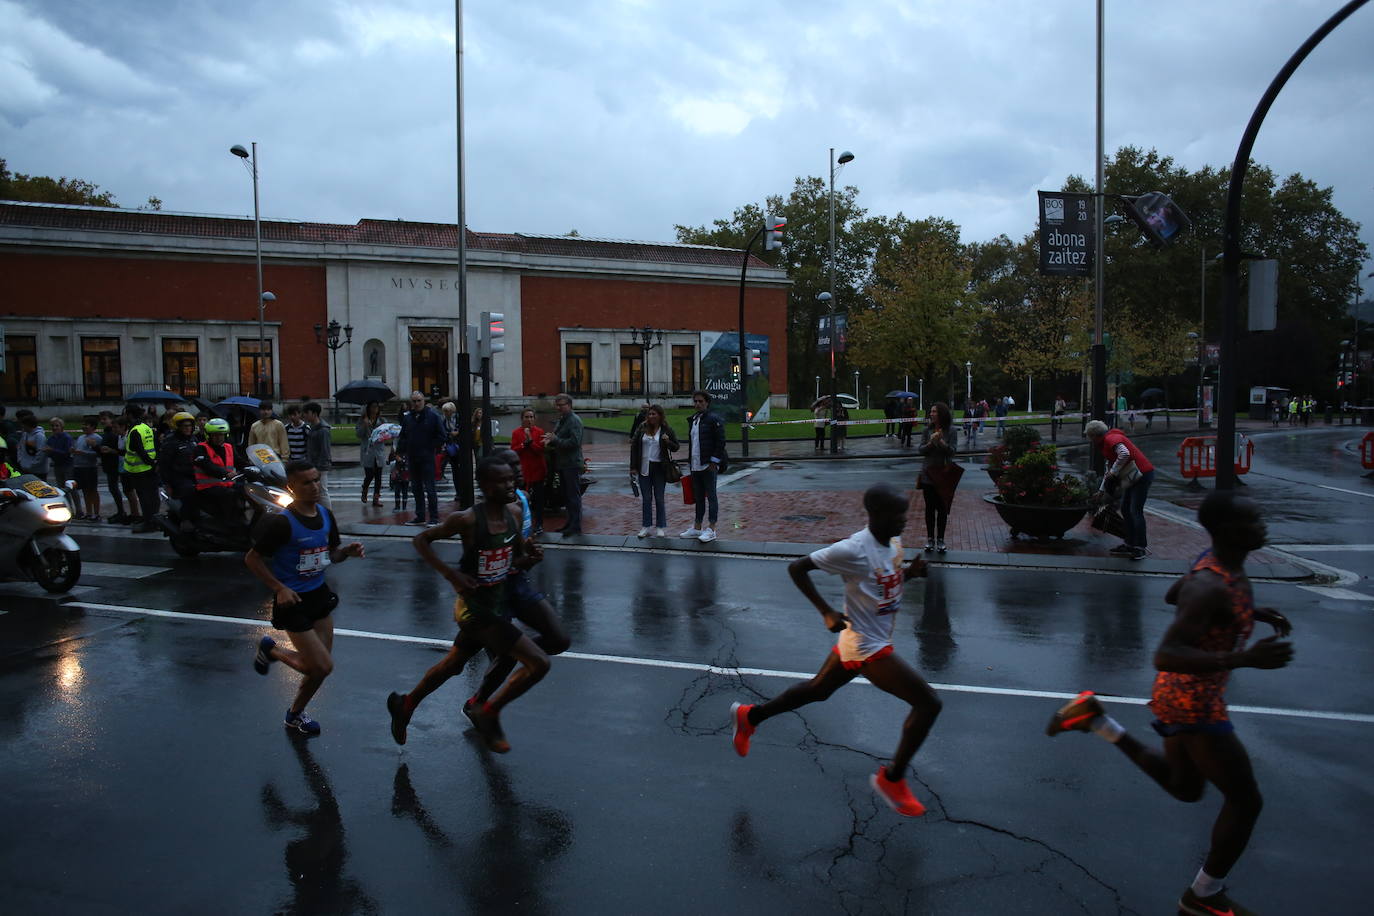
653, 512
704, 492
422, 485
1133, 509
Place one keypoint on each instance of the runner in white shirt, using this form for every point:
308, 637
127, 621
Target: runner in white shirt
870, 562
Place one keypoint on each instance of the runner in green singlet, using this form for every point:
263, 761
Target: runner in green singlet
492, 547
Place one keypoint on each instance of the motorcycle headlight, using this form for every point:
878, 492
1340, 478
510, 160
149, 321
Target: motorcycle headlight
285, 499
57, 513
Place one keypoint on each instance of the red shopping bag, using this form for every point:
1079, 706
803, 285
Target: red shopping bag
687, 498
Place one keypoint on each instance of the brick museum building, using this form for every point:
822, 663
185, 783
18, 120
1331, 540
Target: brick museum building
98, 302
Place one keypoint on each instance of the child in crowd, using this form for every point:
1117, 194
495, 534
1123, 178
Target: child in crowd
86, 469
400, 480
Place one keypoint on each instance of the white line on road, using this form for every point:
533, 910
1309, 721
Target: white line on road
1329, 548
717, 669
1339, 594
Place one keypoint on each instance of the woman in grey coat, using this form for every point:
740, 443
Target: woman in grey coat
371, 455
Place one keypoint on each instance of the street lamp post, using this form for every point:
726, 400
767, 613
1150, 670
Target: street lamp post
845, 156
331, 339
921, 395
818, 389
251, 161
648, 339
968, 382
856, 384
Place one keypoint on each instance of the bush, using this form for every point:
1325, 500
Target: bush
1016, 441
1034, 479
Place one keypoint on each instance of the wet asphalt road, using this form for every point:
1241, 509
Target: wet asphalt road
147, 770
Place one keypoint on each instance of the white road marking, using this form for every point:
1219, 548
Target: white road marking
1365, 493
1339, 594
717, 669
122, 570
1330, 548
34, 590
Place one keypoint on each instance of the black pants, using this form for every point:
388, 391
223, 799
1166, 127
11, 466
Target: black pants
937, 516
145, 485
112, 484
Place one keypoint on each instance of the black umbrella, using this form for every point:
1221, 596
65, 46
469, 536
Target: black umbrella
1149, 393
364, 391
154, 396
202, 405
901, 394
846, 400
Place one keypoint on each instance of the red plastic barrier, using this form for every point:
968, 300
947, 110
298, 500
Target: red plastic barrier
1197, 457
1367, 451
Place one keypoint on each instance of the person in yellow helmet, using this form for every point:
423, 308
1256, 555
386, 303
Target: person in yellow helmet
176, 465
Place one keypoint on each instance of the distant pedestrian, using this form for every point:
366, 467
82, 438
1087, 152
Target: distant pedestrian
822, 414
296, 433
86, 469
371, 455
566, 443
651, 451
270, 431
59, 449
1275, 413
1128, 477
453, 437
1060, 408
31, 449
934, 481
527, 441
400, 481
890, 411
1001, 412
111, 457
841, 433
908, 421
706, 460
319, 449
422, 436
140, 460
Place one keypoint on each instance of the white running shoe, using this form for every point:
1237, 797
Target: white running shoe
691, 533
643, 532
663, 532
707, 535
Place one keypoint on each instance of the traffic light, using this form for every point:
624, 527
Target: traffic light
734, 368
493, 331
755, 362
774, 227
1158, 217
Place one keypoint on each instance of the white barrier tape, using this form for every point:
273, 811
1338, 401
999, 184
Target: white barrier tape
1064, 418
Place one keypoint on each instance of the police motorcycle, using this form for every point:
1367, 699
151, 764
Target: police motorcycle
259, 489
34, 543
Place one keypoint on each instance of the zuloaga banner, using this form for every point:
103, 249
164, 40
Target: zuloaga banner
1067, 238
719, 357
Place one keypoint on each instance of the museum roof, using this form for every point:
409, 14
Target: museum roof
397, 233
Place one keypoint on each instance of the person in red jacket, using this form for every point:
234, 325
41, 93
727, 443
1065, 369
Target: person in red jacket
527, 441
1128, 474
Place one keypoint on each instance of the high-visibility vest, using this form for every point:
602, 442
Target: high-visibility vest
133, 464
224, 459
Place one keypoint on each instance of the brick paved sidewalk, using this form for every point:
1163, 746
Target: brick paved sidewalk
801, 517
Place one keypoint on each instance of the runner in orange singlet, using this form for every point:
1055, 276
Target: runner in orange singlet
1216, 613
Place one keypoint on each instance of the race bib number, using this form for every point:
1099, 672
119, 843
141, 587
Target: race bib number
890, 581
313, 561
493, 565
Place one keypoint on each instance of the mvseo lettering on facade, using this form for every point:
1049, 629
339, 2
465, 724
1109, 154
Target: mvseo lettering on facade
1066, 234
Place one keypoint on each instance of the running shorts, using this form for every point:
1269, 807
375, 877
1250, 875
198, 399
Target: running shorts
522, 592
314, 606
858, 664
1216, 727
495, 634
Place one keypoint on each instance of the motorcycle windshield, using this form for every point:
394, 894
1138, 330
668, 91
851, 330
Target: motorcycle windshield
266, 460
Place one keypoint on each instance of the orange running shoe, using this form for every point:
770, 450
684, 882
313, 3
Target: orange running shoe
1076, 715
739, 714
1216, 905
896, 794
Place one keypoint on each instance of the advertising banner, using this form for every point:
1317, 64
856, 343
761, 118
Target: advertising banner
1067, 236
823, 332
720, 375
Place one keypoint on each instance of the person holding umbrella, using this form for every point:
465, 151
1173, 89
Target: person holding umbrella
371, 453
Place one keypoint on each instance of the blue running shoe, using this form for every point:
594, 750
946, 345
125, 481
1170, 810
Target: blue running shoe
302, 723
263, 658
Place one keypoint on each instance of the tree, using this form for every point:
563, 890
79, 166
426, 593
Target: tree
42, 189
922, 315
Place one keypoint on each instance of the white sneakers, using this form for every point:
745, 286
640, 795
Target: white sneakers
663, 532
707, 534
691, 533
644, 532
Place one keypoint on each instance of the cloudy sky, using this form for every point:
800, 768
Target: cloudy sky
619, 118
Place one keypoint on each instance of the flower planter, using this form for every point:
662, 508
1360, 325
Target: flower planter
1037, 521
994, 473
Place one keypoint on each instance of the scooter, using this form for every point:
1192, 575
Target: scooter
33, 540
259, 489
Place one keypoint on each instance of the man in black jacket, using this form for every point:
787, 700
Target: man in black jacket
706, 458
422, 435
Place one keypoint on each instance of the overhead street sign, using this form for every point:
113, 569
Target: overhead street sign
1066, 234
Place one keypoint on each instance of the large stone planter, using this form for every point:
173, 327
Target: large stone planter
1037, 521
